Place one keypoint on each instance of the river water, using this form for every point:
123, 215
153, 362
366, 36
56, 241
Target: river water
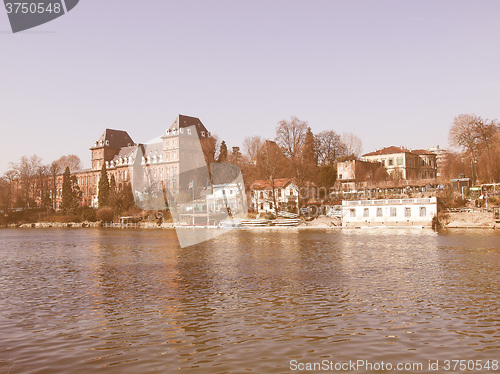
263, 301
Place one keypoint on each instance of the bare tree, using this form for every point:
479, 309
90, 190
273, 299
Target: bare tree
475, 137
209, 146
290, 136
329, 147
26, 172
73, 162
5, 192
9, 178
271, 165
353, 144
252, 146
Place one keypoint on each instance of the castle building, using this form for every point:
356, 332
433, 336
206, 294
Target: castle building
160, 158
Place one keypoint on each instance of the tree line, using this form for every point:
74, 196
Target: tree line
478, 143
30, 183
295, 152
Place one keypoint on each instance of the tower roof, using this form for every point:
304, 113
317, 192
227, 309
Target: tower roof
114, 139
183, 121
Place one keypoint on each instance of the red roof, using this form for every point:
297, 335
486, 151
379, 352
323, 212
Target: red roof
388, 150
423, 152
393, 149
278, 183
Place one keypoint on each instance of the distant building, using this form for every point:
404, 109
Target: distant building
287, 195
390, 212
117, 150
402, 163
440, 158
356, 173
459, 183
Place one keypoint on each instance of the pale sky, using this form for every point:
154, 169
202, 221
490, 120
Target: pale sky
392, 72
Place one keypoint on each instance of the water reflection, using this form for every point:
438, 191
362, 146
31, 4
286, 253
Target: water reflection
133, 301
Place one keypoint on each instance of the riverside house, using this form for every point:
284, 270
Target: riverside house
406, 164
389, 212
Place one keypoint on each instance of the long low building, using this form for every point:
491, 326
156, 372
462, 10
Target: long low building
389, 212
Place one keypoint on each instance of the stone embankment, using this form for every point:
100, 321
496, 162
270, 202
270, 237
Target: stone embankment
42, 225
471, 219
451, 220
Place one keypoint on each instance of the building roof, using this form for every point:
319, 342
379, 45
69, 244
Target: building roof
183, 121
387, 151
423, 152
125, 152
114, 139
278, 183
393, 149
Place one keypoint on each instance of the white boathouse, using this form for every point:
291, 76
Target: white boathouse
389, 212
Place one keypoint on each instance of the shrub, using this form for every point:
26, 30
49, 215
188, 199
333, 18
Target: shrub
105, 214
88, 214
269, 215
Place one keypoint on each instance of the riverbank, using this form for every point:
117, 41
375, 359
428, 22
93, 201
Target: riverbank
473, 219
459, 220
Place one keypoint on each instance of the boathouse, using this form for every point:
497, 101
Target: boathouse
389, 212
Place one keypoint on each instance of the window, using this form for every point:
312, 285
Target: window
423, 211
393, 212
261, 206
400, 160
379, 212
353, 212
270, 205
279, 192
203, 133
365, 212
390, 162
407, 212
340, 176
261, 194
189, 131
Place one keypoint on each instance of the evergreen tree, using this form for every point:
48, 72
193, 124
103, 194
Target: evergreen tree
127, 197
103, 195
309, 153
71, 193
67, 191
306, 167
222, 152
113, 198
75, 192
